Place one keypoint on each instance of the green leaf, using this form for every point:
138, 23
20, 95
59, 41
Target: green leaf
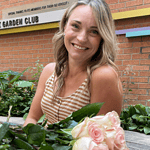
41, 119
18, 76
146, 130
35, 133
141, 109
62, 141
132, 110
60, 147
133, 127
22, 144
4, 147
87, 110
52, 136
45, 146
25, 116
3, 129
67, 131
23, 84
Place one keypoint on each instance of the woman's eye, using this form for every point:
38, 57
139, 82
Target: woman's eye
75, 26
94, 32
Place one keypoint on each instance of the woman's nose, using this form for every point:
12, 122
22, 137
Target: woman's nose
82, 36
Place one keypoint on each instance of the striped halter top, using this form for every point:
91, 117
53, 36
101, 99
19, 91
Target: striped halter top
62, 107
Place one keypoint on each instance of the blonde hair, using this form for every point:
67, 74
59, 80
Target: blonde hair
106, 52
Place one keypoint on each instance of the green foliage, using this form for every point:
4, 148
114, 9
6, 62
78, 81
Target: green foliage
33, 137
36, 71
136, 118
16, 93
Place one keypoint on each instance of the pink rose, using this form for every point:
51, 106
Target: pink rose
81, 129
96, 132
101, 147
114, 118
119, 138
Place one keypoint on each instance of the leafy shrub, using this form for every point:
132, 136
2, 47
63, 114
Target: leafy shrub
19, 98
15, 92
136, 118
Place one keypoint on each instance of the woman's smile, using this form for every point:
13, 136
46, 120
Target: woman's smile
79, 47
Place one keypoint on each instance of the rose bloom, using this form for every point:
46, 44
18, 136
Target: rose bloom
119, 142
81, 129
114, 118
86, 143
101, 147
96, 132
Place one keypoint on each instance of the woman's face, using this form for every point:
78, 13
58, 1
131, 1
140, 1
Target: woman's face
82, 37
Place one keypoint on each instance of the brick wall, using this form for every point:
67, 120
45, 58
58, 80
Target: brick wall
21, 50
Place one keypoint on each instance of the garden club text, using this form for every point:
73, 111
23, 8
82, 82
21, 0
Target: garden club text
19, 22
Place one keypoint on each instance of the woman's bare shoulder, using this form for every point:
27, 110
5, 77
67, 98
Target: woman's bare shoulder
47, 71
105, 72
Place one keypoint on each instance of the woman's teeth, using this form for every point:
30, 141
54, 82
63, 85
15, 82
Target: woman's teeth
80, 47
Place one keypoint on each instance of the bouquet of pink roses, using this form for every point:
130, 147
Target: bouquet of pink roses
99, 133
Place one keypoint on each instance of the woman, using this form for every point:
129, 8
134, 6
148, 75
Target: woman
84, 71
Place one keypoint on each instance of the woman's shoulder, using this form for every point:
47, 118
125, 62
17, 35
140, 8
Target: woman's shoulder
47, 71
105, 72
49, 68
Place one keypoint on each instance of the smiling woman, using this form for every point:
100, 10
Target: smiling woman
84, 71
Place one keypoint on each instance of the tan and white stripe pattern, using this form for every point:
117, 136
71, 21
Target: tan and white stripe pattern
63, 106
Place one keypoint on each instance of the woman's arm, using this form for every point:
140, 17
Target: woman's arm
106, 87
35, 110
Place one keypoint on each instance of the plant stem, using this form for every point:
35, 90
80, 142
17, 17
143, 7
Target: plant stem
9, 112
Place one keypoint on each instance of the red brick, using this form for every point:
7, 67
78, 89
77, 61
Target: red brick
14, 44
140, 67
140, 56
145, 73
37, 46
33, 51
37, 55
139, 79
123, 57
146, 1
23, 43
145, 62
116, 6
18, 48
127, 9
27, 47
48, 45
132, 50
143, 6
141, 44
146, 50
144, 86
33, 42
111, 1
118, 62
39, 37
141, 97
134, 3
131, 62
4, 61
27, 56
125, 45
4, 53
9, 57
13, 61
44, 51
138, 91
